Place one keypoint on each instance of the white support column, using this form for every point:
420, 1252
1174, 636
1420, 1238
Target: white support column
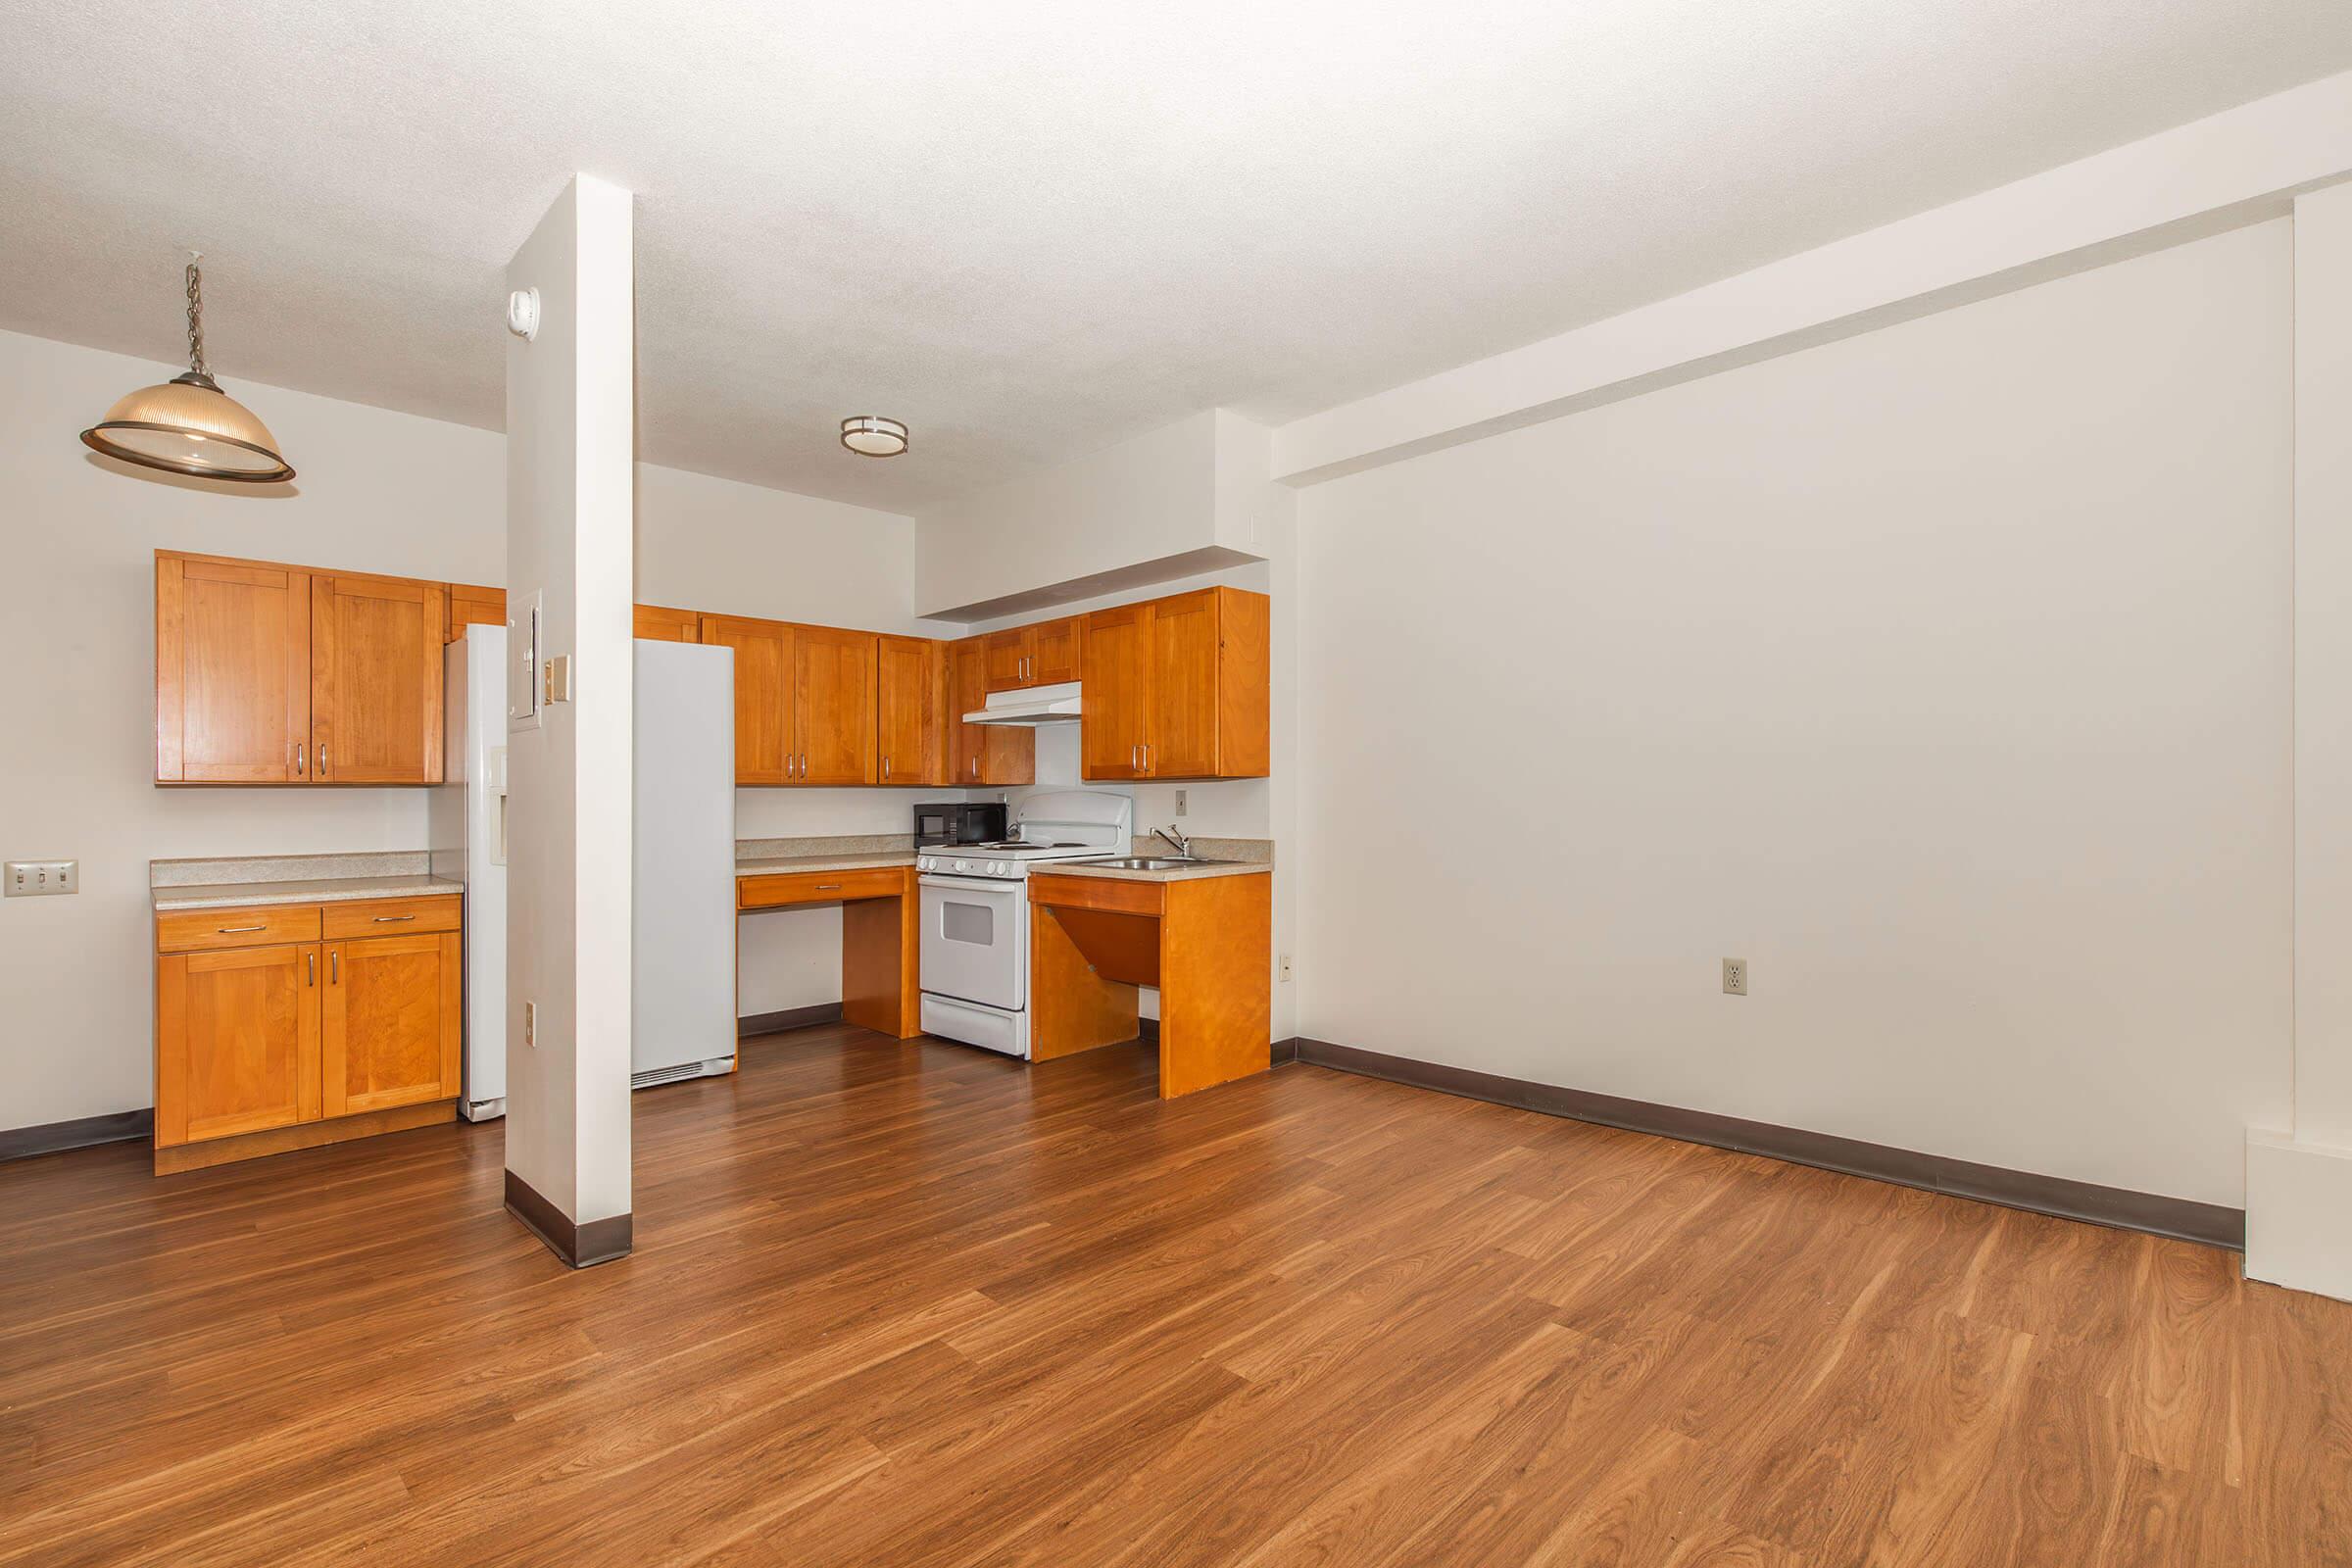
2299, 1183
571, 558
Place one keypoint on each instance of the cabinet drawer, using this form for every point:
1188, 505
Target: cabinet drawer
392, 917
822, 887
1117, 896
196, 930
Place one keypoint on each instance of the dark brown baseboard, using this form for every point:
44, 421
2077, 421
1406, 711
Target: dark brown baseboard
599, 1240
2176, 1217
770, 1023
1283, 1051
55, 1137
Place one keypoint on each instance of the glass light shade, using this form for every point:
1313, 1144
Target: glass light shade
189, 425
870, 435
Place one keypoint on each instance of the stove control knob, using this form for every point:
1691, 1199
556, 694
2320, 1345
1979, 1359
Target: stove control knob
962, 865
1003, 868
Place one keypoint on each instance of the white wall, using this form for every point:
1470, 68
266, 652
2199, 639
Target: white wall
377, 491
1943, 673
1189, 498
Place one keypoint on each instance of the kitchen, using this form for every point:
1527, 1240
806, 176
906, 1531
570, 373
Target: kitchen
1180, 688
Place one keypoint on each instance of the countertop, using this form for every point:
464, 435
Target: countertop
315, 890
1182, 874
781, 864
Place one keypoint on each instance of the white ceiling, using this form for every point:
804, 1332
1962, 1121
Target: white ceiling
1026, 230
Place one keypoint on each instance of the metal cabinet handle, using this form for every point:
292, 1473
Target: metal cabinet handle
392, 919
313, 955
298, 769
885, 769
232, 930
323, 759
334, 967
828, 887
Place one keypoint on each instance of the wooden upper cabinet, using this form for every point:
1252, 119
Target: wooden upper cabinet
1053, 652
1005, 655
472, 605
982, 754
390, 1020
1116, 719
658, 624
911, 710
375, 680
266, 674
833, 690
236, 1041
1178, 688
1183, 731
1031, 655
232, 671
765, 752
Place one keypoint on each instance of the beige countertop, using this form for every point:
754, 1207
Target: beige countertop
780, 864
1182, 874
314, 890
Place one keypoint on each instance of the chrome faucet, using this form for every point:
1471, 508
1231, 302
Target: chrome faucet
1184, 846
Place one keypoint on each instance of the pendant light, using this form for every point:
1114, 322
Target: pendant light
870, 435
188, 424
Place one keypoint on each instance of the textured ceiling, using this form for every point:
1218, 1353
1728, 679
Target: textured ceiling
1026, 230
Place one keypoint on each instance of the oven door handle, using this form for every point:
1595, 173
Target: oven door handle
972, 884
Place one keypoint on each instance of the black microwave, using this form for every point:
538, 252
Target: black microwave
976, 823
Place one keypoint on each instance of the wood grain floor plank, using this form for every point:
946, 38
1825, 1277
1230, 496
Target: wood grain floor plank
911, 1304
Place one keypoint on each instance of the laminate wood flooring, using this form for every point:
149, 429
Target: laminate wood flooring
906, 1305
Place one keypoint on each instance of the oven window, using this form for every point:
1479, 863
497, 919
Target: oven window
975, 923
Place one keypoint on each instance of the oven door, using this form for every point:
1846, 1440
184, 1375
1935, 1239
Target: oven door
975, 943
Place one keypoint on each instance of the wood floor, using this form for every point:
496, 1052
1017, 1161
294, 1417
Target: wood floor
911, 1304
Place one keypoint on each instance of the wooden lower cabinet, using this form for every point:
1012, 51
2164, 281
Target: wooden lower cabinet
236, 1041
390, 1022
285, 1045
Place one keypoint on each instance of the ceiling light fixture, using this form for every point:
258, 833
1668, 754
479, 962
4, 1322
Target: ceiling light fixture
870, 435
188, 424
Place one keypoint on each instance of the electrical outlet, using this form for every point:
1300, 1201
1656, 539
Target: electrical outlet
1735, 977
530, 1023
1180, 803
1286, 968
40, 879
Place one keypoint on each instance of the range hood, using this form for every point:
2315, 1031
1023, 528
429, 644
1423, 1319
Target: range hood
1037, 705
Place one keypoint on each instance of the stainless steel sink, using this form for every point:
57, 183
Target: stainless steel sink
1153, 862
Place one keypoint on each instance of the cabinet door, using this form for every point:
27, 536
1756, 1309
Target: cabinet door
661, 625
236, 1041
471, 605
232, 672
1053, 652
764, 696
911, 710
1115, 725
1183, 731
389, 1019
1007, 659
375, 680
833, 689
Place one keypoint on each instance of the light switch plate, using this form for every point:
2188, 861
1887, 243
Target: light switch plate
40, 879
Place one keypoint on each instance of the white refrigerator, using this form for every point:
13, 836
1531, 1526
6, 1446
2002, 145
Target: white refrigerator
683, 928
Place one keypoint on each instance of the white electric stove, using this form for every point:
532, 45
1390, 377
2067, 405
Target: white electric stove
975, 902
